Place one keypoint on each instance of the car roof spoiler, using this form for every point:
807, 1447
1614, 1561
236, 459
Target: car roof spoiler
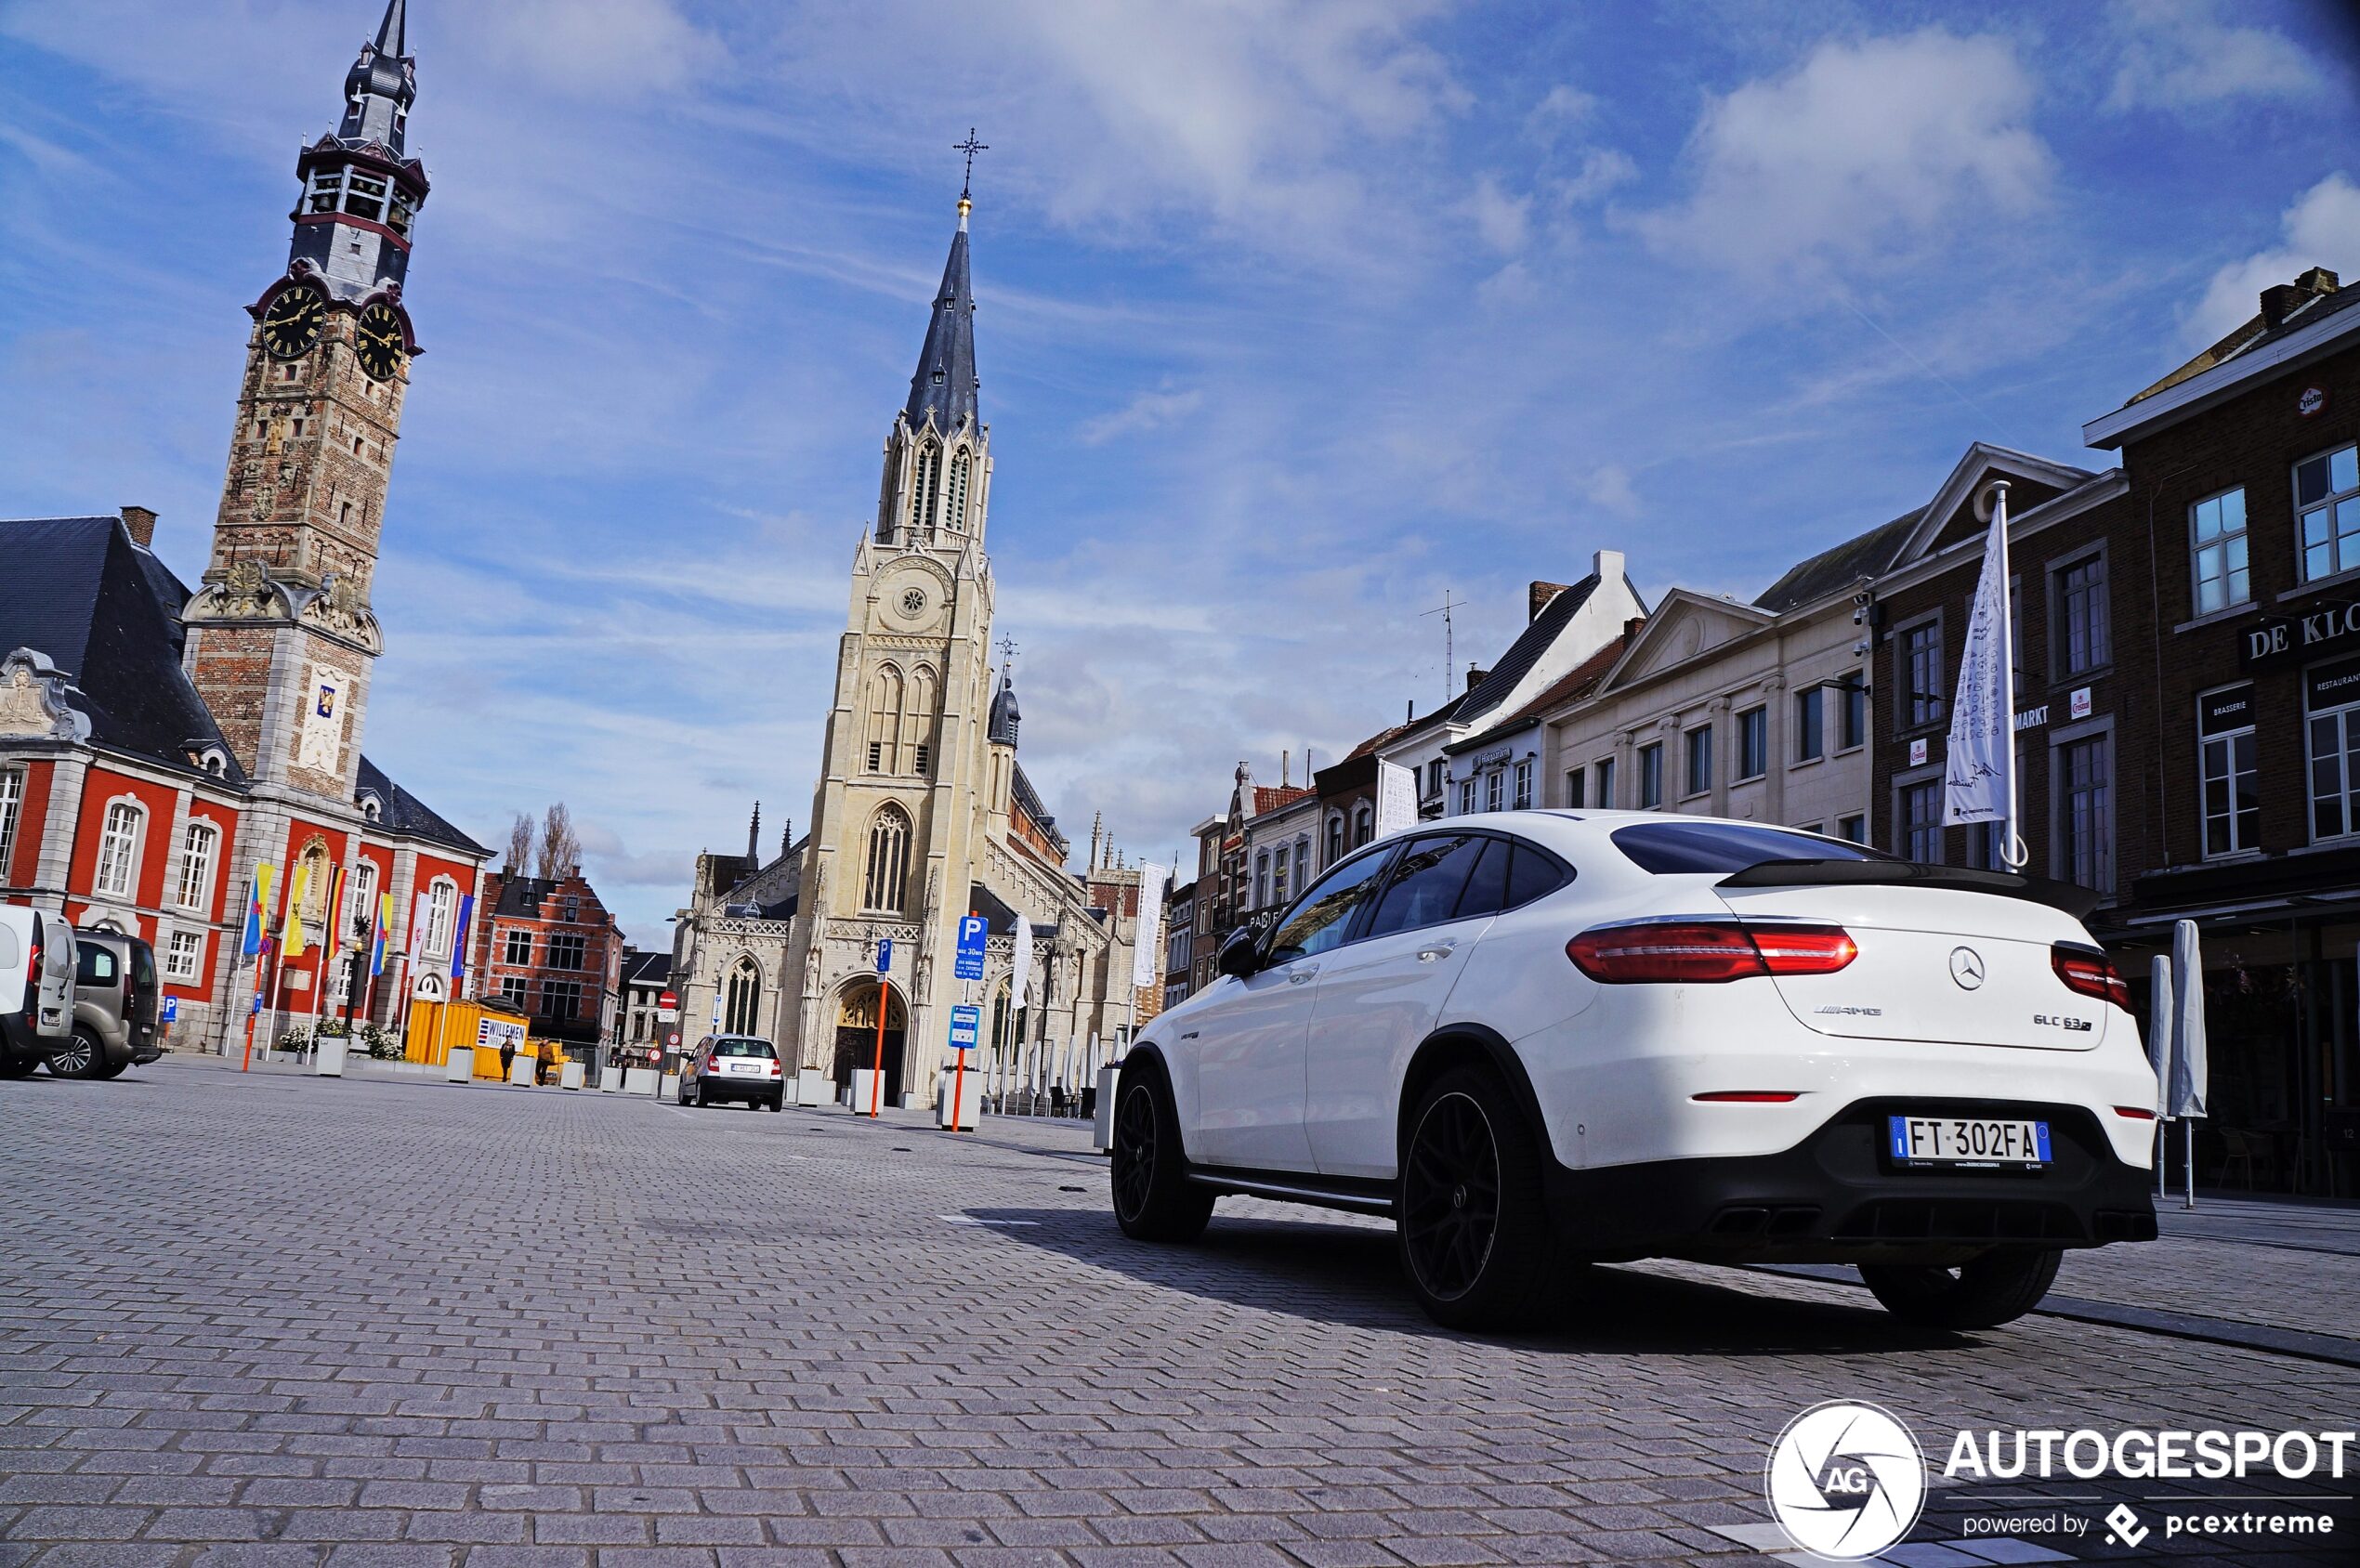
2071, 897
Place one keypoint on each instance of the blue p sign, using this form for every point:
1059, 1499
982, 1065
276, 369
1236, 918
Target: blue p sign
885, 955
969, 965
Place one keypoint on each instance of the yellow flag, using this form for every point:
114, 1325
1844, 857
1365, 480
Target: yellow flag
291, 939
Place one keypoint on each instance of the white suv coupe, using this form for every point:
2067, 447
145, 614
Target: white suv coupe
1539, 1038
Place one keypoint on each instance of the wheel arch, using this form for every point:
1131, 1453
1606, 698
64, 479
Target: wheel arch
1463, 1045
1144, 1058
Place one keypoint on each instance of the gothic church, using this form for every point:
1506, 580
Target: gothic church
922, 813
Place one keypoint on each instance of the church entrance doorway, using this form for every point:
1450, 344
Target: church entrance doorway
856, 1036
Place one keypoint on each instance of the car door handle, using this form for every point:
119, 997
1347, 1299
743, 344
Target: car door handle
1437, 950
1297, 976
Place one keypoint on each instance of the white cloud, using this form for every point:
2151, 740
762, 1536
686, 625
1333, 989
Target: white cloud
1602, 169
1148, 410
1609, 490
1865, 153
1562, 106
2322, 229
2177, 54
1502, 220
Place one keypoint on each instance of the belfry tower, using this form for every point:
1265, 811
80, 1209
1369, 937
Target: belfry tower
281, 641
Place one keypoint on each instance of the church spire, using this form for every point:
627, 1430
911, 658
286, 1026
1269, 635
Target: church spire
944, 388
382, 85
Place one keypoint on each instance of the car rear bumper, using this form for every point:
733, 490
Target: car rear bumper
1838, 1197
738, 1087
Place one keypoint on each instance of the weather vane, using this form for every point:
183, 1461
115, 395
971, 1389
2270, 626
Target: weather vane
970, 147
1007, 649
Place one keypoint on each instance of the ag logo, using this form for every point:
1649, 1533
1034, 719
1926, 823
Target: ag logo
1845, 1480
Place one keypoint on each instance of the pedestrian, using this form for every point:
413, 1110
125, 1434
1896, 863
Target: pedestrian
507, 1056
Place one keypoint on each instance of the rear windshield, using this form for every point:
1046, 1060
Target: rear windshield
743, 1048
143, 966
1670, 848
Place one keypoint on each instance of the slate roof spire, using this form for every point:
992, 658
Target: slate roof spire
1005, 714
382, 85
944, 388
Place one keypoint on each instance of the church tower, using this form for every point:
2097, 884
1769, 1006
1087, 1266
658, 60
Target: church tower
898, 824
281, 639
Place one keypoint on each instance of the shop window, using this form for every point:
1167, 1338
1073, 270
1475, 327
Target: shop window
2331, 708
2230, 771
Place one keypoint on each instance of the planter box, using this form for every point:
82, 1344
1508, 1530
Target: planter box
1102, 1121
970, 1108
460, 1066
812, 1088
521, 1070
641, 1080
327, 1060
570, 1075
857, 1101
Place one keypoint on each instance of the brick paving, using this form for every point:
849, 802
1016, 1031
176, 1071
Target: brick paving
269, 1320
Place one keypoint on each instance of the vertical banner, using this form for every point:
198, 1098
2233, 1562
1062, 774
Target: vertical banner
290, 935
1020, 971
1146, 948
459, 939
258, 909
1397, 797
2188, 1067
1979, 773
378, 938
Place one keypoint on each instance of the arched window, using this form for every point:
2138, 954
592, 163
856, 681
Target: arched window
196, 865
954, 514
925, 483
885, 888
360, 914
1302, 862
741, 1000
1335, 837
885, 719
314, 908
1364, 826
917, 723
119, 849
442, 903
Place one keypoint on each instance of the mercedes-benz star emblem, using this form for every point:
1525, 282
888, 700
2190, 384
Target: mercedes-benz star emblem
1966, 968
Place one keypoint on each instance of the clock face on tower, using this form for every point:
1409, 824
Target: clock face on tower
292, 323
379, 342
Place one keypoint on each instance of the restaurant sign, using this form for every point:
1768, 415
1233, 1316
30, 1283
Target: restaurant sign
2284, 639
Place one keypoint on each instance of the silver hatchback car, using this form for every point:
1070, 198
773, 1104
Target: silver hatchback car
733, 1067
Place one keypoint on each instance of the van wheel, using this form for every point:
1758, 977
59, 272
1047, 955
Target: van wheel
18, 1067
112, 1070
1154, 1200
80, 1057
1473, 1231
1999, 1287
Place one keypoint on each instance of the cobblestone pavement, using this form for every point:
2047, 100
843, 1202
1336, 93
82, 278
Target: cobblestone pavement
269, 1320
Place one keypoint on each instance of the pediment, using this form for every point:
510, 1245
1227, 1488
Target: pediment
1685, 626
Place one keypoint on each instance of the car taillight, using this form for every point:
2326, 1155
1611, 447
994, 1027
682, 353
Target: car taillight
2089, 972
771, 1067
1708, 953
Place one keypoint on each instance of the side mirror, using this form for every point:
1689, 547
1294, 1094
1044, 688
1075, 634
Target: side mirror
1241, 954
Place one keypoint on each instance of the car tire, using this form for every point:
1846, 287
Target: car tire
1983, 1292
1473, 1229
692, 1096
1154, 1200
18, 1067
112, 1070
80, 1057
777, 1103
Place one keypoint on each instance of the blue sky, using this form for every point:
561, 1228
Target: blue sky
1291, 318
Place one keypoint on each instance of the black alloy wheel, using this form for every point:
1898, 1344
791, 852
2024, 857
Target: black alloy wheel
1983, 1292
1154, 1200
80, 1057
1473, 1229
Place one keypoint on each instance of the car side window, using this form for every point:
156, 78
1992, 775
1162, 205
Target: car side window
95, 965
1427, 882
1486, 886
1324, 918
1533, 875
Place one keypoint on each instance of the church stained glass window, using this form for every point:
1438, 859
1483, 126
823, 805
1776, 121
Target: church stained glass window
741, 1002
886, 887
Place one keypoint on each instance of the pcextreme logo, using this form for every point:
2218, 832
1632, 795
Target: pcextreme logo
1846, 1480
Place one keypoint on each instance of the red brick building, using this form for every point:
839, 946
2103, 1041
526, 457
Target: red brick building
158, 743
2188, 694
551, 948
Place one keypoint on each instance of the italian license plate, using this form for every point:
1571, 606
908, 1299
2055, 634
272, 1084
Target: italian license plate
744, 1066
1966, 1141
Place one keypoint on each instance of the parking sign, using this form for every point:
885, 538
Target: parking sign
967, 1022
970, 960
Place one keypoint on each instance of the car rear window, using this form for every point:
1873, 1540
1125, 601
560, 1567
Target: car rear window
1671, 848
743, 1048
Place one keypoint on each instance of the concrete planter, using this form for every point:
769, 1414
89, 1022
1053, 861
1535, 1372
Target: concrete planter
969, 1110
667, 1085
641, 1080
570, 1075
857, 1101
1102, 1119
461, 1066
812, 1087
520, 1072
327, 1060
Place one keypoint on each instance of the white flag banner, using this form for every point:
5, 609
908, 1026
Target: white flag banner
1397, 797
2189, 1069
1020, 971
1147, 946
1978, 783
2160, 1009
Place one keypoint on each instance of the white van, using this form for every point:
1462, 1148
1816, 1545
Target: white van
36, 986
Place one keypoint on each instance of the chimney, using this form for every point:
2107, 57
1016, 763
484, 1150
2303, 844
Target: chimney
1607, 564
1476, 673
2282, 300
1537, 597
1285, 759
141, 522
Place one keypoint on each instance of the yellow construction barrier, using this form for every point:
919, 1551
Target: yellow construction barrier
437, 1026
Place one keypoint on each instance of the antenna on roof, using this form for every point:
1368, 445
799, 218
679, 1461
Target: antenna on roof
1450, 649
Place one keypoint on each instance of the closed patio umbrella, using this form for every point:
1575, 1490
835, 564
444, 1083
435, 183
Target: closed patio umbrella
2188, 1068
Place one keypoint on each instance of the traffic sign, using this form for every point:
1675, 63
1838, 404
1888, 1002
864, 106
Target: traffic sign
885, 955
969, 965
967, 1022
171, 1010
